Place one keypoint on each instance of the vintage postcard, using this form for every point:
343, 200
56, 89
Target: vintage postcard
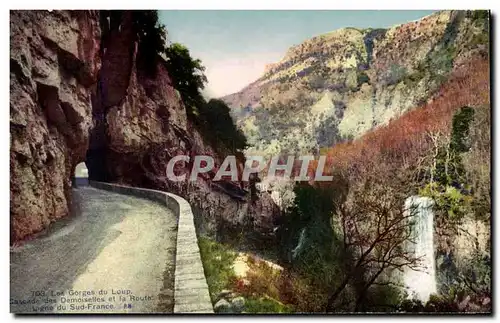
250, 161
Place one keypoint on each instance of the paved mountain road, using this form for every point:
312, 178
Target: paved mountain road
117, 257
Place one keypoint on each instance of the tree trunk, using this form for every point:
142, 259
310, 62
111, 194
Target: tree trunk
335, 295
361, 297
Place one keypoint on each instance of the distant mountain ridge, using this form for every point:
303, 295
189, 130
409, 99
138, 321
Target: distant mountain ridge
342, 84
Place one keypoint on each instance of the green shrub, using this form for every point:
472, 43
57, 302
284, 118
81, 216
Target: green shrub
412, 80
363, 78
151, 34
479, 16
479, 39
215, 121
212, 118
440, 60
263, 280
187, 75
450, 189
217, 263
448, 199
460, 129
266, 305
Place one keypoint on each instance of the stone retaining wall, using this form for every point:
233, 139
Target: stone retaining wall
191, 294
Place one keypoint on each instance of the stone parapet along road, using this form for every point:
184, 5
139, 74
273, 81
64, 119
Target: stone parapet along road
191, 290
117, 256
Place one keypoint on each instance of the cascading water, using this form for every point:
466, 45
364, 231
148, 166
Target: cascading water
300, 244
422, 284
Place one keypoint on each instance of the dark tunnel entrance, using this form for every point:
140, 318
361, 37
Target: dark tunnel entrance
97, 151
96, 162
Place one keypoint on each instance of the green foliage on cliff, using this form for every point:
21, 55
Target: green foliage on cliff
215, 119
460, 130
306, 236
449, 187
187, 75
448, 198
474, 275
309, 244
151, 34
212, 118
441, 60
477, 162
480, 17
435, 67
479, 39
412, 79
479, 14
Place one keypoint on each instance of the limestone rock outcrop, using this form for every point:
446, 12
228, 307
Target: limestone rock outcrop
79, 92
54, 61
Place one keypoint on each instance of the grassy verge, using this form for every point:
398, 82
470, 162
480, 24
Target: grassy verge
218, 262
266, 305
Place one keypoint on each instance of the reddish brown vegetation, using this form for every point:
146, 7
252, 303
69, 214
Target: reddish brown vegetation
403, 140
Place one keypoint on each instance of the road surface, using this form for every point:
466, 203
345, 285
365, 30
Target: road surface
117, 256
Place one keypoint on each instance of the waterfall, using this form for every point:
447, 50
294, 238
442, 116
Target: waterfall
300, 244
422, 284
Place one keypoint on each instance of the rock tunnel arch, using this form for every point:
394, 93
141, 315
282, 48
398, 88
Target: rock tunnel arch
81, 175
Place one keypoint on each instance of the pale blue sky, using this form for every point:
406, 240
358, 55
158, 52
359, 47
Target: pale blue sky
235, 46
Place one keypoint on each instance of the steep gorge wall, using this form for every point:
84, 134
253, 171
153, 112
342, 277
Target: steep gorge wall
146, 125
54, 62
79, 93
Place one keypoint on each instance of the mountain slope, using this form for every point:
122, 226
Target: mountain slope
341, 84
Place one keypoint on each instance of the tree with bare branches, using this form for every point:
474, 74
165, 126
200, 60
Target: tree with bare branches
376, 232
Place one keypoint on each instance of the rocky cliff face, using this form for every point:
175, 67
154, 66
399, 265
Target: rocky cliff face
341, 84
54, 62
146, 125
79, 93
